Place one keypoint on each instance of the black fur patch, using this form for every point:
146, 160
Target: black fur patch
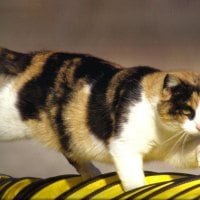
32, 97
100, 74
180, 95
12, 63
182, 92
92, 69
64, 134
129, 91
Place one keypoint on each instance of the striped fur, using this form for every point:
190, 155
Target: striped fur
91, 109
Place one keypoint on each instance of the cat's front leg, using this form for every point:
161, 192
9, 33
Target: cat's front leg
129, 165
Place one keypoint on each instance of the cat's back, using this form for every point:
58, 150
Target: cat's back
35, 88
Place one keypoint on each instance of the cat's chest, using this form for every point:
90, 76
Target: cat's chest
11, 125
140, 129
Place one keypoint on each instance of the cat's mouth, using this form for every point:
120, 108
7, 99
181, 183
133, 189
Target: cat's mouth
191, 127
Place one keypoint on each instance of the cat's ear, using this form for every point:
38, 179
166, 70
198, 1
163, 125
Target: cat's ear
170, 81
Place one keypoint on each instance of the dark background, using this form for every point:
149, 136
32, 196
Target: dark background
163, 34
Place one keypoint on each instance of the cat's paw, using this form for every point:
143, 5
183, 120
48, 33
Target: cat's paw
198, 155
132, 185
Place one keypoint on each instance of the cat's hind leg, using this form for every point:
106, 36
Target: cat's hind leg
85, 168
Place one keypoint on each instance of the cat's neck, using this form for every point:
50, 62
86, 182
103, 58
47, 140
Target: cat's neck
152, 86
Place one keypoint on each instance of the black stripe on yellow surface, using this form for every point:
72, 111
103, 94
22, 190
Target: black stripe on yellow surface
103, 189
16, 187
142, 193
79, 189
197, 197
106, 186
170, 174
31, 189
152, 187
178, 182
84, 184
181, 193
7, 183
6, 186
125, 195
56, 188
4, 183
149, 172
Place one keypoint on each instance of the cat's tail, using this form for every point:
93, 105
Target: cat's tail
12, 63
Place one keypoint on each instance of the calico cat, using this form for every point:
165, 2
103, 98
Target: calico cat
91, 109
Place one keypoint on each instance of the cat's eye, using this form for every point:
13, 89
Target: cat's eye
189, 113
186, 112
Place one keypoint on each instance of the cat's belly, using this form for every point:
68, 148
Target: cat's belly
11, 124
91, 148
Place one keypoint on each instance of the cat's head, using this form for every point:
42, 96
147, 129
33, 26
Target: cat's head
179, 106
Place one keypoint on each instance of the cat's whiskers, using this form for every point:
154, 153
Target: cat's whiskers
177, 143
169, 139
183, 144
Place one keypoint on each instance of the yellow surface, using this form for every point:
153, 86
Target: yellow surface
106, 186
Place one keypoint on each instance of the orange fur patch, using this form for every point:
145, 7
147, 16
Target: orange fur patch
35, 69
43, 130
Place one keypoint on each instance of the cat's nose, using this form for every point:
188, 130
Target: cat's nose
198, 127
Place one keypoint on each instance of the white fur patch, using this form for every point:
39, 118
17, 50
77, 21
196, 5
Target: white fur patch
129, 165
11, 125
87, 89
140, 127
133, 142
190, 126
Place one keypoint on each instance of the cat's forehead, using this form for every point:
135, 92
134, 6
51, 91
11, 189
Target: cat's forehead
188, 90
189, 77
184, 88
190, 84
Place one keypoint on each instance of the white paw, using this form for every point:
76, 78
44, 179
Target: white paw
127, 186
198, 155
